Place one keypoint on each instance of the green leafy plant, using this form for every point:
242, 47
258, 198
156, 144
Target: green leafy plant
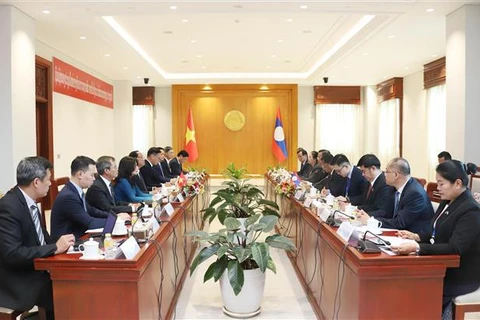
238, 249
239, 199
233, 173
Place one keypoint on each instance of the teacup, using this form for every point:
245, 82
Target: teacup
330, 199
313, 191
350, 210
373, 224
89, 249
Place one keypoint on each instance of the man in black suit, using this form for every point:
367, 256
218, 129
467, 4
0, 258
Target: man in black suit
333, 183
305, 167
176, 164
379, 199
101, 194
165, 163
23, 238
356, 186
165, 175
138, 179
71, 213
412, 208
149, 174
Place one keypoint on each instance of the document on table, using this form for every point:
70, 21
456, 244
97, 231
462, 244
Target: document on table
94, 230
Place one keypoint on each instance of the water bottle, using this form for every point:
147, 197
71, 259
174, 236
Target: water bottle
109, 247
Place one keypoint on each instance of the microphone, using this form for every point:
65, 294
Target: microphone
368, 246
331, 221
386, 242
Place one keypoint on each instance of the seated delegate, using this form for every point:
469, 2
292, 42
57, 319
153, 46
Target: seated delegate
125, 188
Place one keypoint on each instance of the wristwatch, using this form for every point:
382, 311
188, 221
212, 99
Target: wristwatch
417, 252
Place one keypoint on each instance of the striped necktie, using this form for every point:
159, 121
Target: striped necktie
36, 221
397, 200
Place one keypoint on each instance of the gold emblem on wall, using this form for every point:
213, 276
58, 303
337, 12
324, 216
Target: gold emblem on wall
234, 120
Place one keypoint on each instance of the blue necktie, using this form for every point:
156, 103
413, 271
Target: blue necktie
347, 189
397, 200
84, 203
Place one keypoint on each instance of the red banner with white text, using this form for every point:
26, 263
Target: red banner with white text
78, 84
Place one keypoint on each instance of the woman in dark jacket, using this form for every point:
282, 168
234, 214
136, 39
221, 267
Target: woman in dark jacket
455, 230
317, 173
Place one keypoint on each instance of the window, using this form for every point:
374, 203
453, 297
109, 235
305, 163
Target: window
436, 123
143, 129
339, 128
389, 130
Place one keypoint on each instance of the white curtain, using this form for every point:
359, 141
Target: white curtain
436, 123
143, 129
388, 130
339, 128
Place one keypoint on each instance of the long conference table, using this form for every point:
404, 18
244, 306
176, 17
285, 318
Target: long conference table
146, 287
342, 283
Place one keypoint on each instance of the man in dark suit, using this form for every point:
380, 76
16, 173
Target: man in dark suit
176, 164
101, 194
412, 207
305, 167
70, 212
379, 199
334, 183
165, 175
165, 163
138, 179
356, 186
149, 174
23, 238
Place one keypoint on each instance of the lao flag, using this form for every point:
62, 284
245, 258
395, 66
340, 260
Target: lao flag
279, 147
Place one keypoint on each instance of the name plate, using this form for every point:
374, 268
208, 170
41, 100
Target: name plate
308, 202
130, 248
323, 213
345, 230
169, 209
155, 225
180, 197
299, 195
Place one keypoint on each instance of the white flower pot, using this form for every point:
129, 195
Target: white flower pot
248, 302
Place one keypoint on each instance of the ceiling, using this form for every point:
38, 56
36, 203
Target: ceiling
246, 41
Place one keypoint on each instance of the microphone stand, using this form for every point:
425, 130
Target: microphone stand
331, 221
367, 246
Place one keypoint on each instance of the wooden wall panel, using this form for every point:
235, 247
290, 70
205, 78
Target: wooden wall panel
250, 146
434, 73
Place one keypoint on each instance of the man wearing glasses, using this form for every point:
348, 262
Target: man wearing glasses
356, 186
412, 210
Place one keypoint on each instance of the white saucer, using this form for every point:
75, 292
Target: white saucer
99, 257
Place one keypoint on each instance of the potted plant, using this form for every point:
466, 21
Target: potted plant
240, 264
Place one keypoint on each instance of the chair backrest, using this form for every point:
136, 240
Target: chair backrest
422, 181
432, 192
475, 181
57, 185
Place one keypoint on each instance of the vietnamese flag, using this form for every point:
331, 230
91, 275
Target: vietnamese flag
190, 142
279, 147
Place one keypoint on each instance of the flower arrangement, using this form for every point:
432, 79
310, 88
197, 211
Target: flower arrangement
279, 174
193, 187
286, 188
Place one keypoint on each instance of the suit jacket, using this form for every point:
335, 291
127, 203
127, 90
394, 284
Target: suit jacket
414, 210
175, 167
358, 187
98, 196
381, 200
305, 169
333, 182
20, 285
316, 175
166, 169
457, 231
150, 176
69, 215
140, 182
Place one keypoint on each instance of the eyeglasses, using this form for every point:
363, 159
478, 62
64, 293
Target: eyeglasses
339, 169
386, 171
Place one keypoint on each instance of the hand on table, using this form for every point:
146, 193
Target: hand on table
124, 216
405, 248
362, 216
64, 242
408, 235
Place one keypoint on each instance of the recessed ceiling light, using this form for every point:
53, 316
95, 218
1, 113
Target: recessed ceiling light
405, 68
365, 54
391, 36
434, 55
46, 11
138, 77
269, 67
173, 8
384, 77
107, 54
346, 67
306, 31
303, 7
289, 20
273, 56
279, 40
185, 20
125, 68
199, 56
430, 10
83, 38
203, 67
193, 41
168, 31
264, 87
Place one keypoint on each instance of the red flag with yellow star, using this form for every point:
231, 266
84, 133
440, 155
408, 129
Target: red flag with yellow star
190, 142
